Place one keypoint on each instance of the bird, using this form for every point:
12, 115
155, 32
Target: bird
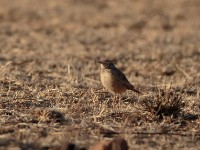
113, 79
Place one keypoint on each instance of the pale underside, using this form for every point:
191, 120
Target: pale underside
112, 83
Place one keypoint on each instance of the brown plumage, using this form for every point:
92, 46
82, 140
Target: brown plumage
113, 79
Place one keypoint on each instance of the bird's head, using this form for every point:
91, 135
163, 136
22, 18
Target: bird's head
108, 64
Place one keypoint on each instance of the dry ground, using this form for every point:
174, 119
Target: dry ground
50, 91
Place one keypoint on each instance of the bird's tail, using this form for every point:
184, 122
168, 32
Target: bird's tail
132, 88
136, 91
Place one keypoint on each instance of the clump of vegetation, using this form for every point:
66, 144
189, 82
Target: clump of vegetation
166, 102
51, 116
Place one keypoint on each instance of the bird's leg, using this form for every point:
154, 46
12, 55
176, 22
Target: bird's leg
114, 99
117, 100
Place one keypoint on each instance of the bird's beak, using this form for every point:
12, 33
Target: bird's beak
101, 62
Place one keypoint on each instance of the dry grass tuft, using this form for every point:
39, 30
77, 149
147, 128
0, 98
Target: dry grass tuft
50, 116
165, 102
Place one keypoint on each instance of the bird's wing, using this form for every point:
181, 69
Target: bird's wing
120, 76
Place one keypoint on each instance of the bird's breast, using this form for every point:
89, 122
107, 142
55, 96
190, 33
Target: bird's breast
111, 82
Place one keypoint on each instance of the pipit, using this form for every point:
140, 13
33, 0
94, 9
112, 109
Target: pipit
113, 79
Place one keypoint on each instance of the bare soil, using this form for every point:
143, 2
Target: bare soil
50, 91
